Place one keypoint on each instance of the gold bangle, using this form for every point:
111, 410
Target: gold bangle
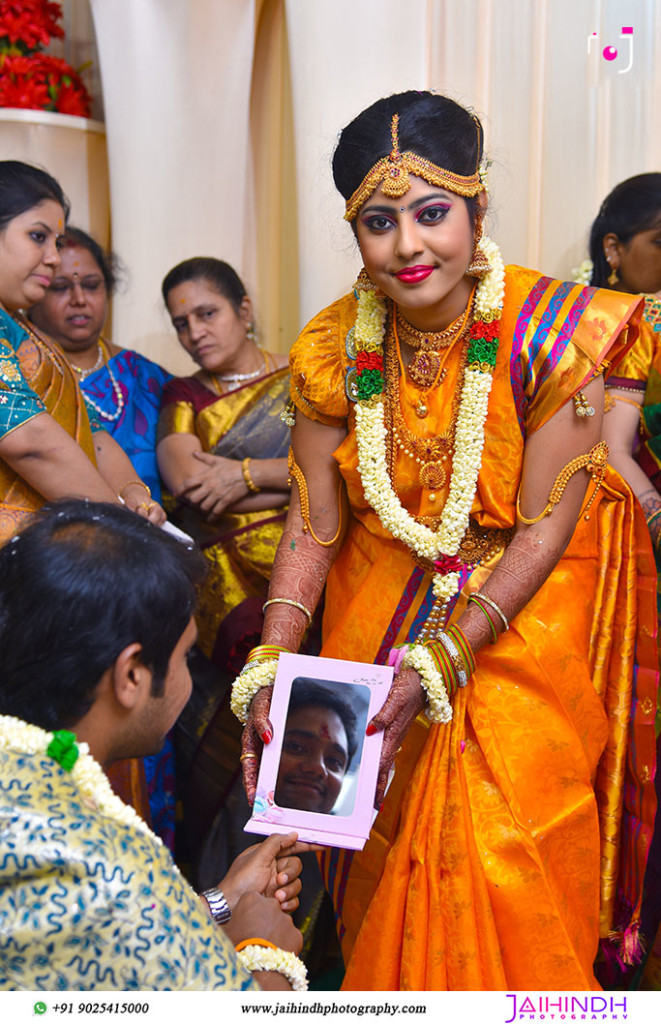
651, 518
490, 601
492, 625
250, 483
133, 483
286, 600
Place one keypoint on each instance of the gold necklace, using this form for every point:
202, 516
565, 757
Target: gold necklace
424, 370
430, 453
433, 340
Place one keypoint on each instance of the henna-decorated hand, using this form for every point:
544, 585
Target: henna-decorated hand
404, 703
258, 731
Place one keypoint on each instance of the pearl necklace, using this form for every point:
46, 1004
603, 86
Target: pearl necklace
83, 371
234, 379
111, 417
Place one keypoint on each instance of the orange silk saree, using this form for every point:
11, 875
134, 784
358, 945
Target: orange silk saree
515, 837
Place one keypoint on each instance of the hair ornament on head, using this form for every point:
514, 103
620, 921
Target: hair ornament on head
391, 173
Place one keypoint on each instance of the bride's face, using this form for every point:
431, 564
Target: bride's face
416, 249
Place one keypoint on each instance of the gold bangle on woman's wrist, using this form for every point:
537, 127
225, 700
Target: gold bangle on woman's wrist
133, 483
250, 483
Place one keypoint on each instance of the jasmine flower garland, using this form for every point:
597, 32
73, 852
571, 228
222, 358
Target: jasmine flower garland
438, 546
92, 782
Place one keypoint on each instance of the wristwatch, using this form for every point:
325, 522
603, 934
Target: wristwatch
218, 905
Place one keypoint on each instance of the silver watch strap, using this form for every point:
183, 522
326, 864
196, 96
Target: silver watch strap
218, 905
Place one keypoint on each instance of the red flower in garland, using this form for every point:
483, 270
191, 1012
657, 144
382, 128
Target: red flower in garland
368, 361
490, 331
29, 24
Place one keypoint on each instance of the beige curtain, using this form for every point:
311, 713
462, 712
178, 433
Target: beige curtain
176, 82
222, 116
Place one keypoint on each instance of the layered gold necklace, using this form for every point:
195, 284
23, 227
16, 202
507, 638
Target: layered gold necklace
431, 454
425, 369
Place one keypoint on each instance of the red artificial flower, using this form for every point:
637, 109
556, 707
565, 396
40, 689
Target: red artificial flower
369, 361
20, 91
30, 24
72, 99
487, 330
42, 82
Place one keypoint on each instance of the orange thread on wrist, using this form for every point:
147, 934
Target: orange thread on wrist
255, 942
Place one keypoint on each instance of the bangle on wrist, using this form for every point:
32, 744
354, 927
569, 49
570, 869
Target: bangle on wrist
133, 483
255, 942
249, 482
259, 955
218, 905
258, 671
287, 600
475, 598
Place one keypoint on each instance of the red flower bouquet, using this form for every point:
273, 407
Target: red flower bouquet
28, 77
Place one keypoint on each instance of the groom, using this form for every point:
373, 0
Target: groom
96, 623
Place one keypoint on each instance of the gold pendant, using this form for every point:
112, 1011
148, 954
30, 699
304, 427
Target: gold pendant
432, 476
423, 369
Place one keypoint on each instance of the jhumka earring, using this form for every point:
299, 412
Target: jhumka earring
612, 277
479, 265
251, 334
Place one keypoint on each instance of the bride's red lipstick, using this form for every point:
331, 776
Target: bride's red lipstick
413, 275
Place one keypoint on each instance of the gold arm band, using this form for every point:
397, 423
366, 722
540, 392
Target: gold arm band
296, 472
628, 401
594, 462
250, 483
286, 600
133, 483
650, 519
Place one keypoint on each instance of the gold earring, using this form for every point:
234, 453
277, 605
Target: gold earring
613, 278
479, 265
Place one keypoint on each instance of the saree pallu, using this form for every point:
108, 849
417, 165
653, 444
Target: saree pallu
47, 374
514, 838
640, 371
134, 428
239, 549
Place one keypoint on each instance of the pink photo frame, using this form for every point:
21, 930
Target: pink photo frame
348, 811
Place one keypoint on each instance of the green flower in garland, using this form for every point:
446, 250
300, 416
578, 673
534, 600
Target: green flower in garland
370, 382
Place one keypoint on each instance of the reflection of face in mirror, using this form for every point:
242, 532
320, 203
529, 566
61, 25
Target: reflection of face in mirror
318, 745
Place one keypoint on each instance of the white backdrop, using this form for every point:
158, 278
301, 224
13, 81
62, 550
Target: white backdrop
179, 82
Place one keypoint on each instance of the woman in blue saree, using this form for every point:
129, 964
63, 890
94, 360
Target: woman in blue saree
123, 387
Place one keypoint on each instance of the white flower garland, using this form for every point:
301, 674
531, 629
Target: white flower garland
583, 274
439, 709
264, 958
23, 738
469, 436
253, 677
